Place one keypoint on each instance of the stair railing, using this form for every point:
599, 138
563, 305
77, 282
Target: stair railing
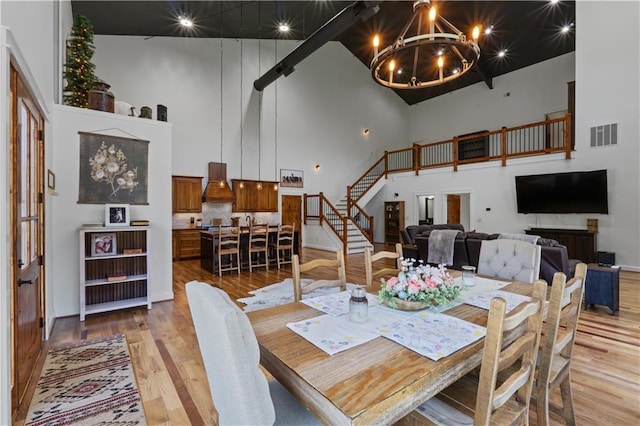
318, 207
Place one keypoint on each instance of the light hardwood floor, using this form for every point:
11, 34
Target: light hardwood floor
174, 388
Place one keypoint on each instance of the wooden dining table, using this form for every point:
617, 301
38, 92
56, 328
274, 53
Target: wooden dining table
377, 382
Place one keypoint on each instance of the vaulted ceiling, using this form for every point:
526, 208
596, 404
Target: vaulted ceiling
530, 31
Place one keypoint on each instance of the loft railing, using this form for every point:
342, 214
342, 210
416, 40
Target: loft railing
539, 138
318, 207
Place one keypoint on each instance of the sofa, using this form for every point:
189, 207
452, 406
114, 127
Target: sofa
466, 249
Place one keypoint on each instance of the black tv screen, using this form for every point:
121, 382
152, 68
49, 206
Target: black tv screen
574, 192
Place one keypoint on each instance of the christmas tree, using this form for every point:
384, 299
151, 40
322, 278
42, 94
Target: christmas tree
79, 71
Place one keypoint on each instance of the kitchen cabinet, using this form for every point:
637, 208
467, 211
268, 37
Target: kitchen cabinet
248, 198
186, 194
186, 243
114, 270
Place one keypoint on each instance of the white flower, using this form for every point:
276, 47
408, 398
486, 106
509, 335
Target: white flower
121, 181
99, 174
112, 149
112, 167
100, 158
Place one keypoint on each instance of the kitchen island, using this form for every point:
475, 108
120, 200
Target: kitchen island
209, 244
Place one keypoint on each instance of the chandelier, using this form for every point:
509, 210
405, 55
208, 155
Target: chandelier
429, 51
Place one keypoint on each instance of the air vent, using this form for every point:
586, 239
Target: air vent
604, 135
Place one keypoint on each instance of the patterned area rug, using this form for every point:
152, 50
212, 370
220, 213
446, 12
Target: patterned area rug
89, 382
281, 293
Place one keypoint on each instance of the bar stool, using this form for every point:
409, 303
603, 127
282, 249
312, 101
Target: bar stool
284, 244
258, 243
228, 245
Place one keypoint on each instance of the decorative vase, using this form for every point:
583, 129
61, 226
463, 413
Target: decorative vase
100, 98
406, 305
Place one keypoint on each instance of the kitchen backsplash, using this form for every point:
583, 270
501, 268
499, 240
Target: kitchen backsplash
222, 211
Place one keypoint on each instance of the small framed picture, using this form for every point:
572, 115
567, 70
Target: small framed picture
103, 244
116, 215
291, 178
51, 180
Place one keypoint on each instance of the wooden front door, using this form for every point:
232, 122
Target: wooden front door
292, 213
453, 208
27, 129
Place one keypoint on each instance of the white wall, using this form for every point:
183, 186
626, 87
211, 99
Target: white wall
322, 107
608, 91
70, 215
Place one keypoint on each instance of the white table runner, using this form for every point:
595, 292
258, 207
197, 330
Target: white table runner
336, 304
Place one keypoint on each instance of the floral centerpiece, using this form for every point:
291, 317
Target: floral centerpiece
418, 287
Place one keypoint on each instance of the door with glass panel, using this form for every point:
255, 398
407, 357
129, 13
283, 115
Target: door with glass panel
27, 129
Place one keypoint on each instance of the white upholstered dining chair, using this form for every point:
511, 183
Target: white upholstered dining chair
240, 391
510, 259
504, 401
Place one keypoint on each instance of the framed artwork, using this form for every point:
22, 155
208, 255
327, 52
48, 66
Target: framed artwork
103, 244
291, 178
116, 215
113, 169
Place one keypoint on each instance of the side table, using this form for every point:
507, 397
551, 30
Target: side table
602, 287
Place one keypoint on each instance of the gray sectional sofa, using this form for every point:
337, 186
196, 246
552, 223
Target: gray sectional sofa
466, 250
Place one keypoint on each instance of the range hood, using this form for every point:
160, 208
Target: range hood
217, 190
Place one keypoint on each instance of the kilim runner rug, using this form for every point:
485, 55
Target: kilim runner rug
89, 382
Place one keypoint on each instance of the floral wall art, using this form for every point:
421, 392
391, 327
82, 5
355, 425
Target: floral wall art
113, 169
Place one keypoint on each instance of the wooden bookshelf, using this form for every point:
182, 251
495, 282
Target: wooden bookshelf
109, 278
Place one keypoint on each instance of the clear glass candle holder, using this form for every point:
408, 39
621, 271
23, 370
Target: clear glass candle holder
469, 275
358, 305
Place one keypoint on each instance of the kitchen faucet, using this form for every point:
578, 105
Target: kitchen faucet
248, 219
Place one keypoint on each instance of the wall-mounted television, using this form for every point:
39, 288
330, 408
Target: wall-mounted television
573, 192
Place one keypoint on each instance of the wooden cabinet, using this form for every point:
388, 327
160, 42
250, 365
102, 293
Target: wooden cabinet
186, 194
581, 244
186, 243
248, 198
114, 269
393, 221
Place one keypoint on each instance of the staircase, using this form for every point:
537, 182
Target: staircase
356, 241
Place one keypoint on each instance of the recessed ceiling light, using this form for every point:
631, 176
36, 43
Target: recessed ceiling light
456, 70
554, 1
185, 22
502, 53
399, 70
566, 29
488, 30
283, 27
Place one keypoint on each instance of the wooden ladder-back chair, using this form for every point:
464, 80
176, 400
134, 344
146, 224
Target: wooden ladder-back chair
284, 244
228, 245
510, 259
559, 335
258, 246
503, 402
336, 264
370, 258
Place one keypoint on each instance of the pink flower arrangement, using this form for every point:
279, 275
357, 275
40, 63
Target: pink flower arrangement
430, 285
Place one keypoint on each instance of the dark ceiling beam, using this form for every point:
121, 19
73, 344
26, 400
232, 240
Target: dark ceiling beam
485, 75
358, 11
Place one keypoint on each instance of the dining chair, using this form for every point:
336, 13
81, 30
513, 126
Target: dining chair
370, 258
336, 264
284, 244
258, 246
510, 259
557, 345
241, 393
228, 246
511, 339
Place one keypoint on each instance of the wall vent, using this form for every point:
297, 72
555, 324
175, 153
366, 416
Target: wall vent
604, 135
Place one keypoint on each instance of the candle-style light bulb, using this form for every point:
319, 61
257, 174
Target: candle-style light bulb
440, 67
376, 43
476, 32
432, 19
392, 66
440, 61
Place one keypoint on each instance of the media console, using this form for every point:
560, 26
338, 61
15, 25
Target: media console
581, 244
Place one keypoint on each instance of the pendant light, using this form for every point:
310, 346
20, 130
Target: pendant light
259, 185
222, 183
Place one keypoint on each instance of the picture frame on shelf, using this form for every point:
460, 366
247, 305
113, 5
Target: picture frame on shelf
103, 244
116, 215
